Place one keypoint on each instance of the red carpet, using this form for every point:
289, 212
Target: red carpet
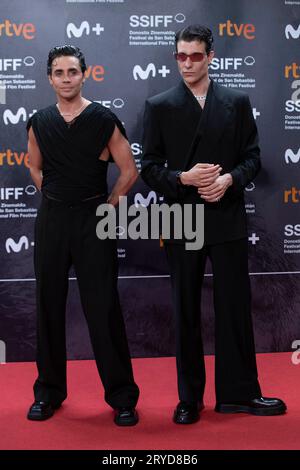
85, 421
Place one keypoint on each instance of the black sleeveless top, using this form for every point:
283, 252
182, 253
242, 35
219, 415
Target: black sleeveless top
72, 170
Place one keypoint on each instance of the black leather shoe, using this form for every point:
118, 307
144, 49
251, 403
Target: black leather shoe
126, 416
262, 406
41, 410
187, 413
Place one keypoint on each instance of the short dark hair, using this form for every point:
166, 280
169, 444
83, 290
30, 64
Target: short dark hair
66, 50
196, 32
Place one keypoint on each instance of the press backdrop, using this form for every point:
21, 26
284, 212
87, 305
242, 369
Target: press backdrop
128, 46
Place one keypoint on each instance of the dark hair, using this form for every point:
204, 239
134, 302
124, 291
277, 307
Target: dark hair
66, 50
196, 32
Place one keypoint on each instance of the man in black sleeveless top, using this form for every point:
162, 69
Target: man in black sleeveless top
69, 146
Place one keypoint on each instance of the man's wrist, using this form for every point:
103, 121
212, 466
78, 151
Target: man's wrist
229, 179
178, 177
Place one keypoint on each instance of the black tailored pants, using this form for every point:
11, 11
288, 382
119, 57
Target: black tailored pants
235, 362
65, 234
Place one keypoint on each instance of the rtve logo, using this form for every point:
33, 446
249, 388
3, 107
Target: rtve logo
233, 29
14, 64
290, 230
150, 70
11, 158
292, 195
291, 157
292, 70
154, 21
291, 32
225, 63
10, 117
15, 193
16, 246
84, 28
27, 30
96, 72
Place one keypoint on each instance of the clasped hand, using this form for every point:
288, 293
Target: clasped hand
206, 177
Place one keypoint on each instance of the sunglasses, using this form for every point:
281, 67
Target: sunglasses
195, 56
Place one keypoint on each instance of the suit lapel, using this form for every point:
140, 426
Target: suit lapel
191, 120
215, 116
188, 111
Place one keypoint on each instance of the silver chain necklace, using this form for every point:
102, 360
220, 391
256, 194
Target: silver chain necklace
200, 97
70, 114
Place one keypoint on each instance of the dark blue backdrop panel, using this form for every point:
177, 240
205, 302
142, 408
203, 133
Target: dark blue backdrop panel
128, 47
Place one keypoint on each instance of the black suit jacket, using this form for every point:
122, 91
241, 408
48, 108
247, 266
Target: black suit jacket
177, 136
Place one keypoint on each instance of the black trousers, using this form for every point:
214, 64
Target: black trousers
235, 363
66, 235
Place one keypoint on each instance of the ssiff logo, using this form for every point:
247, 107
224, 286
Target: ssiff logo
136, 149
225, 63
117, 103
291, 230
14, 64
292, 106
15, 193
154, 21
84, 28
250, 187
150, 70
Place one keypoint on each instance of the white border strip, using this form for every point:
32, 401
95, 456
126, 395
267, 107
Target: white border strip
160, 276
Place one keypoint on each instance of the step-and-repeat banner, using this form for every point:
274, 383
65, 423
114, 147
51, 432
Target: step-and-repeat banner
128, 45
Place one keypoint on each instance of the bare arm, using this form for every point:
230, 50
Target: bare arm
121, 152
35, 160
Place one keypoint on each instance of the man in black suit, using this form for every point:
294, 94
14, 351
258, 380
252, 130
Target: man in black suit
201, 147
